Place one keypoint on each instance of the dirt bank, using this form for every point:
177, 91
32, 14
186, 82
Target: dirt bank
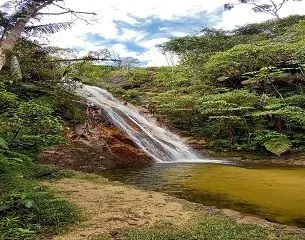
109, 207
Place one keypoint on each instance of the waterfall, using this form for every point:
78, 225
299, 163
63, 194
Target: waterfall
159, 143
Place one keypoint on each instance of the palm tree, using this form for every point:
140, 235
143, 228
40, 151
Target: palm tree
13, 25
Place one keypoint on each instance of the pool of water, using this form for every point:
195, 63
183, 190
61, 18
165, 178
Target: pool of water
274, 193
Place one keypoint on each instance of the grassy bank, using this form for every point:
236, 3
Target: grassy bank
208, 227
29, 210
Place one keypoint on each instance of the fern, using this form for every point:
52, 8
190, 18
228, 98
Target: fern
48, 28
15, 68
3, 144
278, 145
274, 142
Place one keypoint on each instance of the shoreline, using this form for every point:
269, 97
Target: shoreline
288, 160
109, 207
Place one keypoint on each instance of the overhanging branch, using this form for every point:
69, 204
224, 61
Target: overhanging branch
80, 59
68, 11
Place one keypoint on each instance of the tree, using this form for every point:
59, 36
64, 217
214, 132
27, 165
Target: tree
129, 62
20, 21
271, 7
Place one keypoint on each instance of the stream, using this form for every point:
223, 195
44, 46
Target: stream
273, 193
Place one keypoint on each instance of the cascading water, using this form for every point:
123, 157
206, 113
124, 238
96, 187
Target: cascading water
157, 142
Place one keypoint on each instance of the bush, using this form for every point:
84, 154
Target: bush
27, 209
247, 58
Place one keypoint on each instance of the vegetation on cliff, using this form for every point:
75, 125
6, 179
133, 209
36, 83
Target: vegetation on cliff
239, 90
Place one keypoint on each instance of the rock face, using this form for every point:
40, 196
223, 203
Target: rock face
95, 146
121, 81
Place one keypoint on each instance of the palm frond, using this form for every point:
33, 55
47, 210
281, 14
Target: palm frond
15, 68
48, 28
4, 20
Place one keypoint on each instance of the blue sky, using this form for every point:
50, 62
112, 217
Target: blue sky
132, 28
149, 31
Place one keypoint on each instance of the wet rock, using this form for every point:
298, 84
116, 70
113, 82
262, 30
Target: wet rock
95, 146
201, 143
195, 143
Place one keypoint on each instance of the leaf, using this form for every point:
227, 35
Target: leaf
15, 68
277, 145
4, 207
48, 28
28, 203
221, 79
16, 160
3, 144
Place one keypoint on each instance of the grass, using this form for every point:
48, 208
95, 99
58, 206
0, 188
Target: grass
27, 209
209, 227
206, 228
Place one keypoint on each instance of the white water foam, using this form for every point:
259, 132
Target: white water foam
159, 143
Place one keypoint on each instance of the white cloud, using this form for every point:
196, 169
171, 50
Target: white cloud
178, 34
121, 50
129, 34
131, 12
152, 43
152, 55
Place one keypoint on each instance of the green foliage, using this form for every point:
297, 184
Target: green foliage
168, 101
207, 227
130, 95
218, 40
32, 114
26, 208
274, 142
247, 58
170, 77
39, 114
137, 76
239, 90
32, 126
7, 99
3, 144
89, 73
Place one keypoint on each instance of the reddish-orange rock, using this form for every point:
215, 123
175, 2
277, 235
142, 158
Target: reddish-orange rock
95, 146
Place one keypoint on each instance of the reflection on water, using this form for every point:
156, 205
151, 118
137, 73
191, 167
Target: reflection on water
275, 193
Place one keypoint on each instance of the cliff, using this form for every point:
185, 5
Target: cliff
95, 146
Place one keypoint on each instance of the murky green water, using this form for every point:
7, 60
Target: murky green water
274, 193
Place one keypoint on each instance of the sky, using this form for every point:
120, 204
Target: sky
133, 28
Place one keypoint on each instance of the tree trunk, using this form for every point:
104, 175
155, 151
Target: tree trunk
10, 41
2, 58
11, 38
